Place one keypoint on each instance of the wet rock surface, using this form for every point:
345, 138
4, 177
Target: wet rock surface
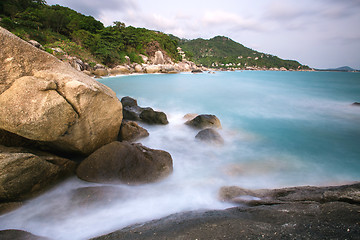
295, 219
204, 121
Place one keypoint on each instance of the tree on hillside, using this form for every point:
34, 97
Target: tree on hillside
12, 7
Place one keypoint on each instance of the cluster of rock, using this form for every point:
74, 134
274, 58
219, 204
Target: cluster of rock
132, 111
47, 108
154, 66
207, 123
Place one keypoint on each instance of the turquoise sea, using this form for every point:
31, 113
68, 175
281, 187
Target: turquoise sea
280, 129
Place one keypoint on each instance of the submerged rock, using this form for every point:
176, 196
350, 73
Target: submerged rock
204, 121
45, 100
91, 196
122, 162
210, 135
356, 104
25, 172
130, 131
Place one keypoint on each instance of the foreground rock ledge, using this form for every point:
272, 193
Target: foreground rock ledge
44, 99
290, 220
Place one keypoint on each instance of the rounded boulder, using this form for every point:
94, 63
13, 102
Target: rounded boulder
123, 162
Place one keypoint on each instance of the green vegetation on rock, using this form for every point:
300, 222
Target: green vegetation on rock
52, 26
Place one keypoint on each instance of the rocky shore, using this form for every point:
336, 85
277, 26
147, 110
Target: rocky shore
289, 213
57, 122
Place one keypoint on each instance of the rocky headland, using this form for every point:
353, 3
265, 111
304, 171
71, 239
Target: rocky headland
56, 122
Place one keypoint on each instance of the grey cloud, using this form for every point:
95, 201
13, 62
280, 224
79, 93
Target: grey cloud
95, 7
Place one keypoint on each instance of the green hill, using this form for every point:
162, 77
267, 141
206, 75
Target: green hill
222, 52
81, 36
87, 39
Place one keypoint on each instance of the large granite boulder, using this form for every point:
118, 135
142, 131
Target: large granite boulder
210, 135
204, 121
25, 173
46, 100
159, 58
130, 131
123, 162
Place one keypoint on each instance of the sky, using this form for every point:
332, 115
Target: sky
317, 33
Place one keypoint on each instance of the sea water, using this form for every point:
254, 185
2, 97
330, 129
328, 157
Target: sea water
280, 129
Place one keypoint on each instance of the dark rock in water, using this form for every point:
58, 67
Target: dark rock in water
13, 234
126, 163
131, 111
130, 131
150, 116
196, 71
356, 104
25, 173
210, 135
292, 219
204, 121
348, 193
129, 102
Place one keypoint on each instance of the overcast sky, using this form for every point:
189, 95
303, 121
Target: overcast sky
318, 33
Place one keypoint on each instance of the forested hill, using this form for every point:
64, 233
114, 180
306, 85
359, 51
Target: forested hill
82, 36
223, 52
86, 38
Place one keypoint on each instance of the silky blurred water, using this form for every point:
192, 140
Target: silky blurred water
280, 129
